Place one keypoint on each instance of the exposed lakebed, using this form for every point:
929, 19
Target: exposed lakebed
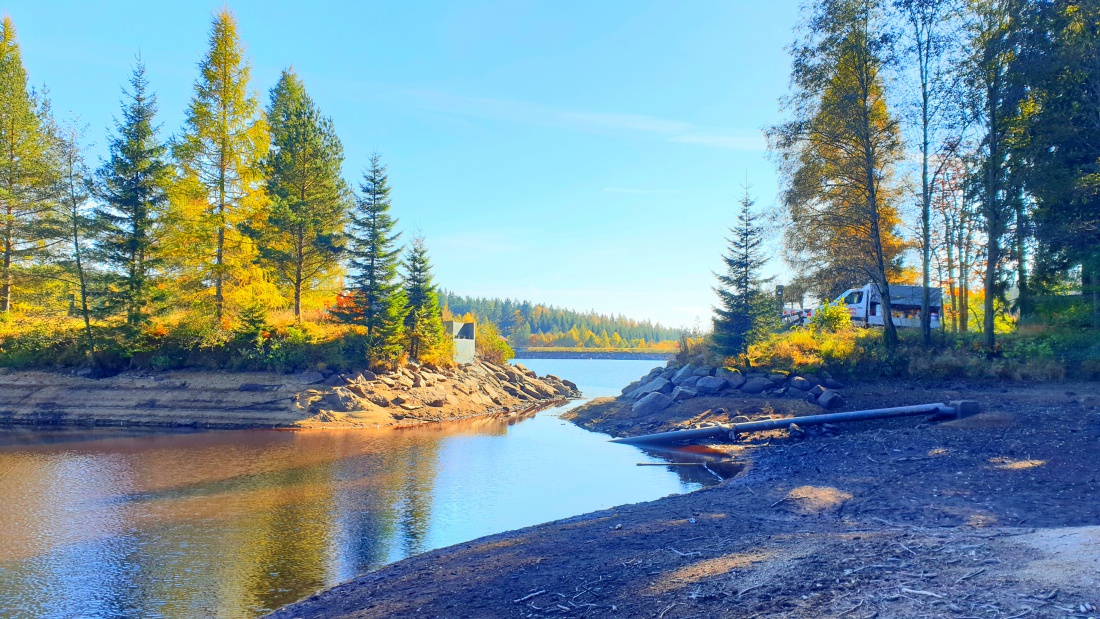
234, 523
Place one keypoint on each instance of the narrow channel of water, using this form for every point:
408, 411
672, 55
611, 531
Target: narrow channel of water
236, 523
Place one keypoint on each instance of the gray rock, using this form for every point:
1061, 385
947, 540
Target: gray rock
817, 390
368, 375
711, 384
778, 378
756, 384
796, 393
669, 373
691, 381
333, 381
568, 383
813, 378
830, 400
809, 398
310, 378
683, 393
653, 403
682, 374
703, 371
833, 383
799, 382
657, 385
732, 376
627, 390
85, 372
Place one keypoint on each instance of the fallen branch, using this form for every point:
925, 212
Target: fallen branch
970, 575
921, 592
529, 596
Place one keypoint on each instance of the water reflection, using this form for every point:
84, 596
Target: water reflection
232, 524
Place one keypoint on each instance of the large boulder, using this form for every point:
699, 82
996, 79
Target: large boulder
817, 391
703, 371
653, 403
690, 381
683, 393
778, 377
657, 385
368, 375
756, 384
832, 383
710, 384
310, 378
830, 399
682, 374
568, 383
801, 383
732, 376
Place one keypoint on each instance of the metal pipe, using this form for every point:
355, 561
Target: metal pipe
954, 410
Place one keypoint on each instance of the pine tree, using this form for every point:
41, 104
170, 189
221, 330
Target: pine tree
423, 322
303, 238
28, 175
377, 300
745, 309
220, 152
132, 187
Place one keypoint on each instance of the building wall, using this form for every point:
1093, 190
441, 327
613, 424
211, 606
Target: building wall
464, 351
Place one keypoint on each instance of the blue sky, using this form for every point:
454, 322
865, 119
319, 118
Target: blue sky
582, 154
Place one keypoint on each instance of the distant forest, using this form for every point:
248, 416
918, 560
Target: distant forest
528, 324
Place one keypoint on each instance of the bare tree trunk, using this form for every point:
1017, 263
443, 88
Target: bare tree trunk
949, 236
1023, 302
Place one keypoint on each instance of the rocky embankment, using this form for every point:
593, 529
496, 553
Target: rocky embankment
208, 399
666, 386
419, 394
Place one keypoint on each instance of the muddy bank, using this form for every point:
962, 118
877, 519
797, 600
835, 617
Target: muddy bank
410, 396
993, 516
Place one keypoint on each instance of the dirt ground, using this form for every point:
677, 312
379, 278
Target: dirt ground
995, 516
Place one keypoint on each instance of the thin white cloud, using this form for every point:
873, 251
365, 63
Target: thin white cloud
638, 192
735, 142
529, 113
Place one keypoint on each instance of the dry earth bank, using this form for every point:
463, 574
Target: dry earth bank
408, 396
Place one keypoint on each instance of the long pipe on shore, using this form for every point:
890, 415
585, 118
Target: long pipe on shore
954, 410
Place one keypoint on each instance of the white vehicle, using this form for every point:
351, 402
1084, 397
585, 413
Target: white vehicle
865, 305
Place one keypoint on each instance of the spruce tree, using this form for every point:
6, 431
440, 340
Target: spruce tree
220, 153
28, 174
377, 299
132, 188
303, 239
745, 310
424, 321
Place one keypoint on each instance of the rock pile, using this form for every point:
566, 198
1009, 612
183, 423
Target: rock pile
414, 391
665, 386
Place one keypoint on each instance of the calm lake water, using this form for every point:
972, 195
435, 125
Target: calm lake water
236, 523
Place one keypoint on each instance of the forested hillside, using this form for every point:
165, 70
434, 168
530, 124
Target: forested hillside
528, 325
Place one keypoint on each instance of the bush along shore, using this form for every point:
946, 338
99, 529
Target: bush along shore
412, 394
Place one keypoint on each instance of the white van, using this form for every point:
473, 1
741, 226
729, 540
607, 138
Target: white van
865, 305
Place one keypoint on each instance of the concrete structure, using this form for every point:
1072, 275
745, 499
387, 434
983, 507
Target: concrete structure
463, 334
